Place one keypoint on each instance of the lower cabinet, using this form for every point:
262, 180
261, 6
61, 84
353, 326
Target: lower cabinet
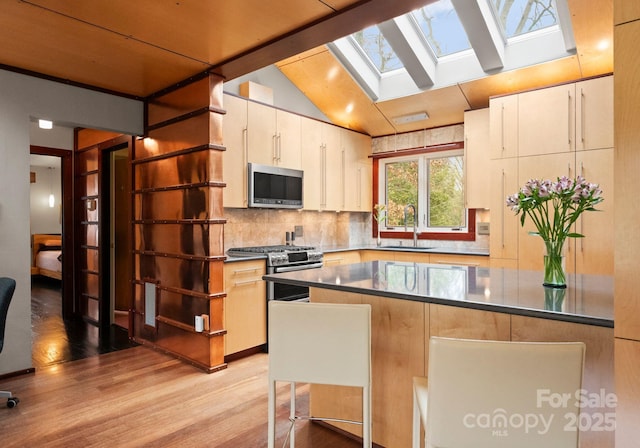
245, 310
399, 349
345, 257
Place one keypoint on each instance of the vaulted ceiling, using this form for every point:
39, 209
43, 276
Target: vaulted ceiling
137, 48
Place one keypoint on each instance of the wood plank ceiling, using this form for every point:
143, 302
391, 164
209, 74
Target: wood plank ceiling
137, 48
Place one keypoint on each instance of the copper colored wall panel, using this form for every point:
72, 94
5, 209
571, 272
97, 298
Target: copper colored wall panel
190, 133
90, 260
216, 314
92, 309
91, 283
202, 240
191, 345
183, 169
174, 104
91, 215
182, 307
92, 232
90, 185
90, 137
216, 268
177, 204
171, 272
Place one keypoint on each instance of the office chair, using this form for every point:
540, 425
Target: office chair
7, 287
494, 394
319, 343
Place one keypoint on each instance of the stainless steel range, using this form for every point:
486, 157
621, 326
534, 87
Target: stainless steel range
284, 258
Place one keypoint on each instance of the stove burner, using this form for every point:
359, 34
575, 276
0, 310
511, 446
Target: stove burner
269, 249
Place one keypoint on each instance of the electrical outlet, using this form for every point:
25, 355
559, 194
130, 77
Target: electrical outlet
298, 230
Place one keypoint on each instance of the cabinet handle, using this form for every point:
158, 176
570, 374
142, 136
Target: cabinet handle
569, 118
502, 127
582, 116
245, 160
344, 175
274, 147
279, 147
582, 217
466, 177
359, 204
242, 271
247, 282
333, 260
323, 170
455, 263
502, 188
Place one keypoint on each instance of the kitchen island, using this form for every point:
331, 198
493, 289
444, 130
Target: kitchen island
413, 301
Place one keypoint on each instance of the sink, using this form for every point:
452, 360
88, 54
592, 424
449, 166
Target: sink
406, 247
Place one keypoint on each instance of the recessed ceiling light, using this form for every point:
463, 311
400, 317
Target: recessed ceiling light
349, 108
45, 124
404, 119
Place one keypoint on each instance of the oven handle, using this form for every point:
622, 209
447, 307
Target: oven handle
277, 270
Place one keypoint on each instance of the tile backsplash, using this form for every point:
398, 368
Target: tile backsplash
258, 227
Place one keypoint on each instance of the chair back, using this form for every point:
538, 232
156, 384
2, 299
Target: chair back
320, 343
7, 287
503, 394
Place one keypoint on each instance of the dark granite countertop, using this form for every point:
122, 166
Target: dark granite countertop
587, 300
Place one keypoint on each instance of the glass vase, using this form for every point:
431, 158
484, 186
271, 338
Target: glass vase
554, 298
554, 273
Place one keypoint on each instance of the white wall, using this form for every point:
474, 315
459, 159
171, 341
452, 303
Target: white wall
21, 99
45, 219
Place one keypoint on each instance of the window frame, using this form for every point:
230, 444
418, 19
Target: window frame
467, 234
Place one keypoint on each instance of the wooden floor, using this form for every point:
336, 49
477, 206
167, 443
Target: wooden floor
140, 397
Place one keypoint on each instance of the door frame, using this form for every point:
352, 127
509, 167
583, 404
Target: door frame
70, 307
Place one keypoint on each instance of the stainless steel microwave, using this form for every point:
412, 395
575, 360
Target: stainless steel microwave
274, 187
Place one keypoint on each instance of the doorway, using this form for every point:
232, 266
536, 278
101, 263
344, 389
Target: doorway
120, 263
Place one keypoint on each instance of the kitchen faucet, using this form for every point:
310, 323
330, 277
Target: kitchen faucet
415, 223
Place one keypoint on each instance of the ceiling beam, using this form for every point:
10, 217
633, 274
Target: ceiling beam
342, 23
482, 31
411, 48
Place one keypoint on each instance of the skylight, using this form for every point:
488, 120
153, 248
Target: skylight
377, 49
517, 17
453, 41
442, 28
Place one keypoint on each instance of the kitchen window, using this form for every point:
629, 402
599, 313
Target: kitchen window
429, 183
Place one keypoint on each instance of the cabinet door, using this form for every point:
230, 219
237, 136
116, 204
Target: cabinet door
504, 224
594, 113
594, 252
345, 257
546, 121
503, 131
332, 168
288, 152
356, 149
261, 134
531, 247
312, 159
245, 308
457, 259
235, 157
476, 158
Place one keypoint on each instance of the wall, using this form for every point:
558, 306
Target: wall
21, 98
45, 219
627, 216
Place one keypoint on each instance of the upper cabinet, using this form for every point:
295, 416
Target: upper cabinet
546, 121
594, 113
235, 158
357, 167
503, 131
273, 136
476, 158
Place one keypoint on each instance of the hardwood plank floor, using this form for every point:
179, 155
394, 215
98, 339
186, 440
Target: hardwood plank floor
56, 340
140, 397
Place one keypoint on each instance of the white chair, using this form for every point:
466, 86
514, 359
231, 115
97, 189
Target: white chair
319, 343
496, 394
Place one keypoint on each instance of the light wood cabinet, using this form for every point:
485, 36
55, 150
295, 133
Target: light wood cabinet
245, 307
504, 225
235, 157
357, 170
595, 252
463, 260
455, 322
503, 127
344, 257
322, 165
476, 158
273, 136
546, 121
594, 113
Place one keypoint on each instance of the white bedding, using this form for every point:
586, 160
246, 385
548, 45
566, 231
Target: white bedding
48, 259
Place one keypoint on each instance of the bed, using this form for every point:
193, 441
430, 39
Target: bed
47, 255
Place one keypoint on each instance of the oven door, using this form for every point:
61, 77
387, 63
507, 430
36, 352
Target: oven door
281, 291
